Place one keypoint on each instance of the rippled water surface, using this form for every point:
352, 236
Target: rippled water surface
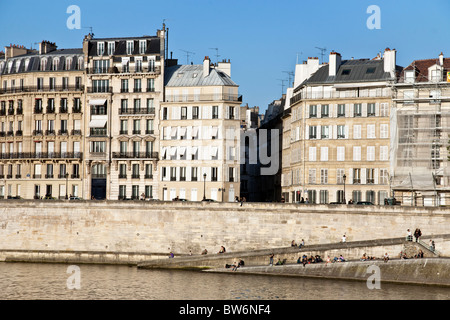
22, 281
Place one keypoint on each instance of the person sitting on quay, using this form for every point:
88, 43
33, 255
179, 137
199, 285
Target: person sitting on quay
222, 250
302, 244
363, 258
386, 257
205, 251
293, 244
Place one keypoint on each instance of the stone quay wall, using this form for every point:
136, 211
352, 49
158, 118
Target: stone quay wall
152, 229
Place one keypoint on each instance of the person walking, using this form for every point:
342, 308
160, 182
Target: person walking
271, 260
408, 235
417, 234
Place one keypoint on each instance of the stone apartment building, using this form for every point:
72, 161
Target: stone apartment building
336, 131
200, 133
41, 130
124, 88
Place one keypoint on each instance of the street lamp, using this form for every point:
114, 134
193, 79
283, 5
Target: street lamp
344, 177
204, 186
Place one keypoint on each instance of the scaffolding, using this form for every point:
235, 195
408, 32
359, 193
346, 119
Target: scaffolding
420, 118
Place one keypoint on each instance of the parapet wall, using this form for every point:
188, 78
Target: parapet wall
143, 227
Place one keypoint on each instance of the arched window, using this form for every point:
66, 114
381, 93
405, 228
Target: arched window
68, 63
43, 64
55, 64
80, 63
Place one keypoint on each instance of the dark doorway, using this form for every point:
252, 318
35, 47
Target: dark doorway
98, 190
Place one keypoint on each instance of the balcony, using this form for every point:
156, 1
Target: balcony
148, 176
11, 111
149, 131
75, 132
75, 176
37, 176
63, 132
50, 109
19, 111
37, 110
63, 109
135, 176
76, 110
133, 111
96, 132
50, 132
2, 112
42, 89
205, 97
49, 176
10, 133
42, 155
99, 90
122, 176
37, 133
135, 155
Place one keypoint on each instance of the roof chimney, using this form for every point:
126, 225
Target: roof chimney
334, 62
46, 47
225, 66
206, 64
441, 59
390, 61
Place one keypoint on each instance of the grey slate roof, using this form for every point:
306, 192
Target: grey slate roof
192, 76
357, 72
18, 63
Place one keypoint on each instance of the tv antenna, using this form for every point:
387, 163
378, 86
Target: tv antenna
299, 53
322, 52
91, 29
290, 75
217, 53
282, 85
188, 54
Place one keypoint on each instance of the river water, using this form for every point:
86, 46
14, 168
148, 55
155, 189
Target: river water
29, 281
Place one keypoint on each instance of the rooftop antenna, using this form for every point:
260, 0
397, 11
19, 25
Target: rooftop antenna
299, 53
217, 53
322, 52
290, 75
282, 85
90, 28
188, 54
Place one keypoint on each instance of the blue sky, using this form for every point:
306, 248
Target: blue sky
262, 38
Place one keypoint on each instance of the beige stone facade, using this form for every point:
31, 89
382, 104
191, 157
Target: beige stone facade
200, 134
336, 133
41, 101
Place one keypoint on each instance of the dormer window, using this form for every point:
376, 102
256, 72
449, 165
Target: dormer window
142, 46
111, 48
130, 47
346, 72
43, 64
436, 75
69, 63
55, 64
409, 76
100, 48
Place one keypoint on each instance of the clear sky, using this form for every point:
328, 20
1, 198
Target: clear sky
263, 39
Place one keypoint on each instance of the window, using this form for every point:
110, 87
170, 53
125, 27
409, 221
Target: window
111, 48
194, 174
150, 85
384, 109
230, 113
384, 176
138, 65
357, 110
370, 131
357, 153
149, 171
183, 113
370, 153
323, 196
100, 48
195, 113
124, 85
384, 131
341, 132
436, 75
100, 86
231, 174
346, 72
101, 66
384, 153
408, 96
130, 47
370, 176
341, 110
356, 196
325, 132
357, 131
137, 85
122, 171
324, 154
323, 176
149, 192
370, 196
214, 173
135, 171
325, 112
371, 109
340, 176
136, 126
356, 176
313, 111
313, 132
215, 112
370, 70
340, 153
135, 192
98, 146
122, 192
142, 46
312, 176
149, 129
409, 76
312, 154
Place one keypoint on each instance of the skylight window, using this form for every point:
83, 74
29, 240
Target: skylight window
346, 72
370, 70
